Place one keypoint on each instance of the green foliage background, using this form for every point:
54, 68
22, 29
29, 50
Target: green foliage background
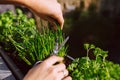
19, 32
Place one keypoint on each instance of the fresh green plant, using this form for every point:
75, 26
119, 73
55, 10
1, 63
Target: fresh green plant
10, 24
98, 69
38, 46
31, 45
19, 32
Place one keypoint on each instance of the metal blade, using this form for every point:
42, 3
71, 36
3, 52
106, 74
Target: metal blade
63, 43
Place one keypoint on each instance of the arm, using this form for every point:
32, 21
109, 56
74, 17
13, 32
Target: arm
22, 2
46, 9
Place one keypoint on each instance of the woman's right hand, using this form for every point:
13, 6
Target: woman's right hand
47, 70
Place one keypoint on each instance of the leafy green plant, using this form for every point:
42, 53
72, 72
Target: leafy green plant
38, 46
19, 32
31, 45
10, 24
98, 69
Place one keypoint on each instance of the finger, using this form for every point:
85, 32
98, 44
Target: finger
55, 16
52, 60
60, 67
62, 74
54, 22
67, 78
59, 16
59, 19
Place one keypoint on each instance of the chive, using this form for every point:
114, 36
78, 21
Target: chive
31, 45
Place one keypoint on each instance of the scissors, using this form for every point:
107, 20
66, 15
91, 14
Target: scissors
57, 47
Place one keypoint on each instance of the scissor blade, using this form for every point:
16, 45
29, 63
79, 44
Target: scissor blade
71, 58
63, 43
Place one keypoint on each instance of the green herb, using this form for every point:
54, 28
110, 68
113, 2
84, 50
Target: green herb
99, 69
31, 45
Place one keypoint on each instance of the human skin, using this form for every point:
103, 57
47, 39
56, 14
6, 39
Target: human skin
48, 71
49, 10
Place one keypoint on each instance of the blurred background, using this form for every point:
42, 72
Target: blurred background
87, 21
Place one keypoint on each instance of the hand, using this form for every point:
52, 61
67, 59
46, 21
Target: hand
47, 70
47, 9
